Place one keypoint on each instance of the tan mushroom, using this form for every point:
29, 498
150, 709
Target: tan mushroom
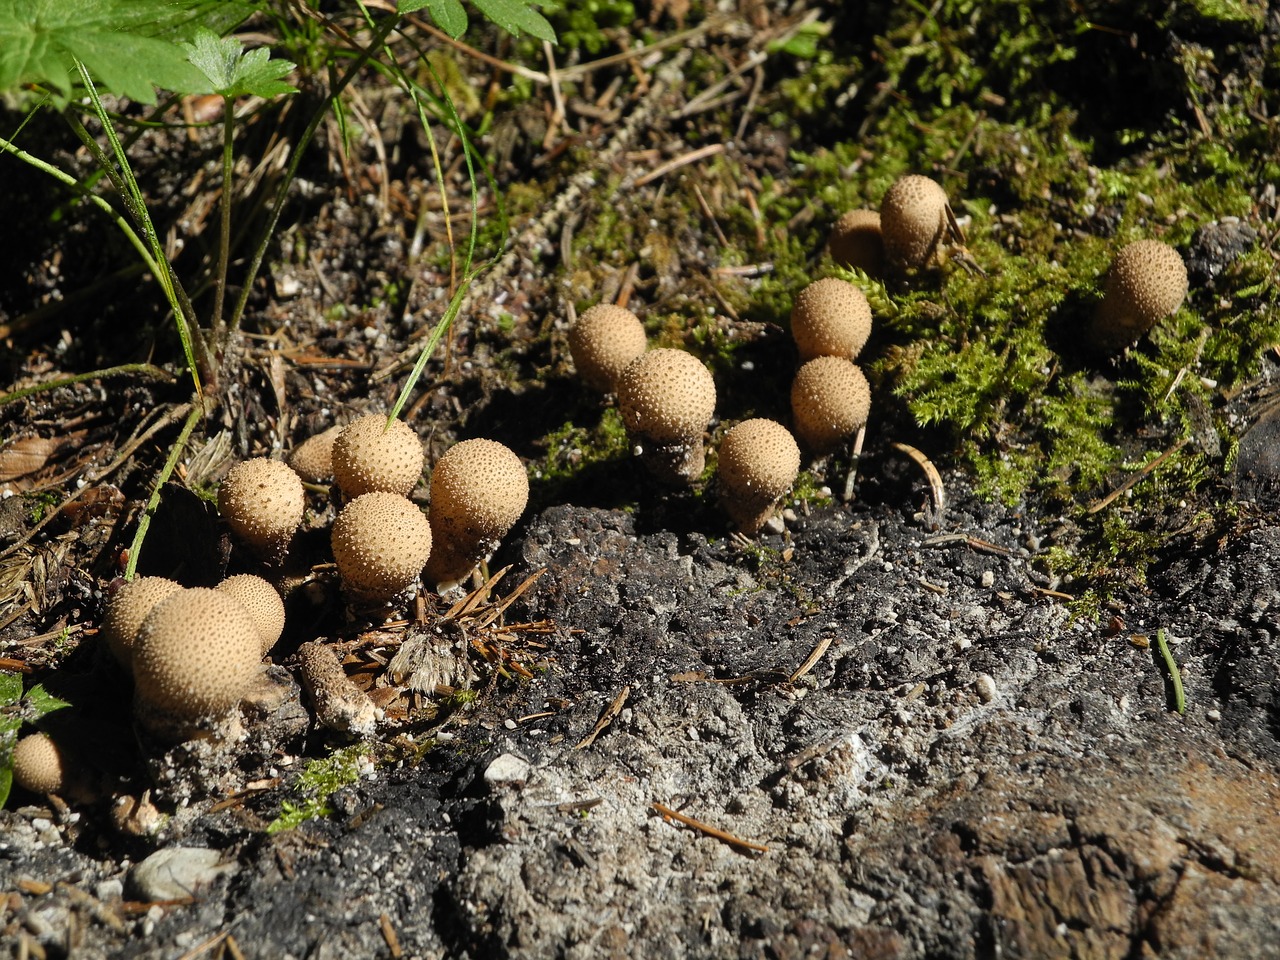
856, 241
198, 654
603, 341
667, 398
312, 459
38, 765
914, 218
830, 401
263, 602
381, 542
479, 489
370, 454
127, 609
1147, 282
830, 318
758, 463
262, 502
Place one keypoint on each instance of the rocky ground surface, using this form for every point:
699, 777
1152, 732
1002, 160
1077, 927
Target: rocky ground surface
889, 726
908, 745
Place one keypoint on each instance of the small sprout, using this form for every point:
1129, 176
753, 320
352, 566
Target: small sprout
759, 461
381, 542
198, 654
603, 341
479, 488
830, 318
1147, 282
369, 455
914, 217
856, 242
667, 397
830, 401
262, 601
126, 611
262, 501
312, 459
38, 765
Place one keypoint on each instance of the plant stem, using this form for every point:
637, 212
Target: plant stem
124, 370
144, 522
384, 29
224, 235
1175, 675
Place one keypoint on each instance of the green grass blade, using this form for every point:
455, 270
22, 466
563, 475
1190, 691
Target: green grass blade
144, 522
1175, 675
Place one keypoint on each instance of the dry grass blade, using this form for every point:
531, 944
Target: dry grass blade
936, 489
810, 660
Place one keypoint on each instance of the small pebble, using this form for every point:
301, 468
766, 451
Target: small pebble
988, 578
986, 687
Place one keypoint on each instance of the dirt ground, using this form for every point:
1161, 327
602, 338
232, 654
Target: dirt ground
932, 718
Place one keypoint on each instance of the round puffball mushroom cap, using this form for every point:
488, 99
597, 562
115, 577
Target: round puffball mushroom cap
262, 501
1147, 282
603, 341
667, 396
856, 241
381, 542
830, 401
262, 601
312, 459
369, 455
913, 216
759, 461
198, 654
830, 318
126, 611
38, 765
479, 488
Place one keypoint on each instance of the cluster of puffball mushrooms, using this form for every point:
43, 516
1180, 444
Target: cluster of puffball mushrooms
384, 545
196, 653
667, 396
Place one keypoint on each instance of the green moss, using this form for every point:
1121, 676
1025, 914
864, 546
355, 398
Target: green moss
571, 447
319, 781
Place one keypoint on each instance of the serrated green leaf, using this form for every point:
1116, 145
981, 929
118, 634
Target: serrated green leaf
127, 44
40, 702
515, 16
233, 72
449, 15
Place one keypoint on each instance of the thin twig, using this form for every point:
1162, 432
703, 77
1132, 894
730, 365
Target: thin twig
693, 156
810, 660
606, 718
1119, 491
736, 842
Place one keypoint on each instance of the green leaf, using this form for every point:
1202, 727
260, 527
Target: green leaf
449, 15
515, 16
233, 72
40, 702
127, 44
10, 688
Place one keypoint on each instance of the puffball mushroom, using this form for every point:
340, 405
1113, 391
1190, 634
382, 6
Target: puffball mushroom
667, 397
262, 502
830, 401
759, 461
38, 765
1147, 282
381, 542
197, 655
913, 219
603, 341
127, 609
857, 241
312, 459
830, 318
370, 454
262, 601
479, 488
